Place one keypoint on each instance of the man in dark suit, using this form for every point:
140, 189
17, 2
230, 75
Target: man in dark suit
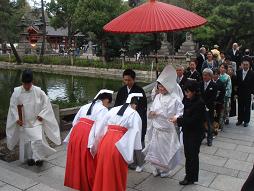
235, 55
201, 57
209, 92
245, 78
130, 86
180, 79
193, 73
219, 104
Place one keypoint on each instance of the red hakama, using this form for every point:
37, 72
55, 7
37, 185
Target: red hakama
111, 169
80, 165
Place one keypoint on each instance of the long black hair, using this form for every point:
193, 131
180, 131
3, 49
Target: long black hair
100, 97
121, 111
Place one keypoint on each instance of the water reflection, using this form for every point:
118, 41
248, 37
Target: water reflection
65, 90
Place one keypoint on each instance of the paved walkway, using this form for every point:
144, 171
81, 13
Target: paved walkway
223, 167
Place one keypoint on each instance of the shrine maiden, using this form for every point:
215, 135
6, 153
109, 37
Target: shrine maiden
122, 129
80, 165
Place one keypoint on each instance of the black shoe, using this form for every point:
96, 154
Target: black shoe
246, 124
186, 182
209, 144
226, 122
132, 166
239, 123
39, 163
30, 162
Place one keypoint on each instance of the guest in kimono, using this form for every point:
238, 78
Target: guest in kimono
30, 118
164, 149
220, 100
118, 135
130, 86
225, 78
80, 165
192, 123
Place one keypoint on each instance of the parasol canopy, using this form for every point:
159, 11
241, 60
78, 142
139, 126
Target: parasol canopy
154, 16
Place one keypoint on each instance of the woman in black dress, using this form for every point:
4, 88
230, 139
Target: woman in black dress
192, 123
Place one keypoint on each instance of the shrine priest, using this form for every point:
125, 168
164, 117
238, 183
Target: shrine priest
130, 86
80, 165
117, 135
30, 119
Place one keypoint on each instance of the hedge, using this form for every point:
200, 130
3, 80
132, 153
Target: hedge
82, 62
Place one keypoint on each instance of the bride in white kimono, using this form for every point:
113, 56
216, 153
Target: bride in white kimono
163, 150
30, 127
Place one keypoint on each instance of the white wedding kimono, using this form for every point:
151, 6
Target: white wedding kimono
130, 141
31, 136
98, 112
163, 150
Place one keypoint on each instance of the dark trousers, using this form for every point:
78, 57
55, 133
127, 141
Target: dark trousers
244, 105
249, 184
192, 142
209, 120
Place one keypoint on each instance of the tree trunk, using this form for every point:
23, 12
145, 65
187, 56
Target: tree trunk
43, 32
103, 50
18, 59
69, 36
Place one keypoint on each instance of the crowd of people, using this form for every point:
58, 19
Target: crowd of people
188, 105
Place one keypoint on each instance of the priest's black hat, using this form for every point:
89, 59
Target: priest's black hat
27, 76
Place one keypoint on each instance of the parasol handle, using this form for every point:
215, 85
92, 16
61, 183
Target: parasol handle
20, 112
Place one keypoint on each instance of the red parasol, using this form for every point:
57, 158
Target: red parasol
154, 16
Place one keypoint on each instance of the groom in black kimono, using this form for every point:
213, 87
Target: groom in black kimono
130, 86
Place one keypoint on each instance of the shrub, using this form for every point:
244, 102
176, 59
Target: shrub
30, 59
83, 62
5, 58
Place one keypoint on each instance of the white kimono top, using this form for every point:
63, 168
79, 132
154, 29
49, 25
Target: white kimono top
130, 141
98, 112
35, 103
163, 142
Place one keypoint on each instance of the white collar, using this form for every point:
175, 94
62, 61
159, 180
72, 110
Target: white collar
207, 83
245, 71
24, 91
128, 89
180, 78
193, 71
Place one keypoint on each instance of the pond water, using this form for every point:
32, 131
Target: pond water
64, 90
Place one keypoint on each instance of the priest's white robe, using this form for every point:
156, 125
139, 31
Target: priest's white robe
163, 150
130, 141
98, 112
31, 136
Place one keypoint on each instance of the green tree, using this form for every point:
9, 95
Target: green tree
92, 15
228, 21
61, 14
11, 13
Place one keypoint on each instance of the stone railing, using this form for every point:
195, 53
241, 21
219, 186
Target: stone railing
74, 110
